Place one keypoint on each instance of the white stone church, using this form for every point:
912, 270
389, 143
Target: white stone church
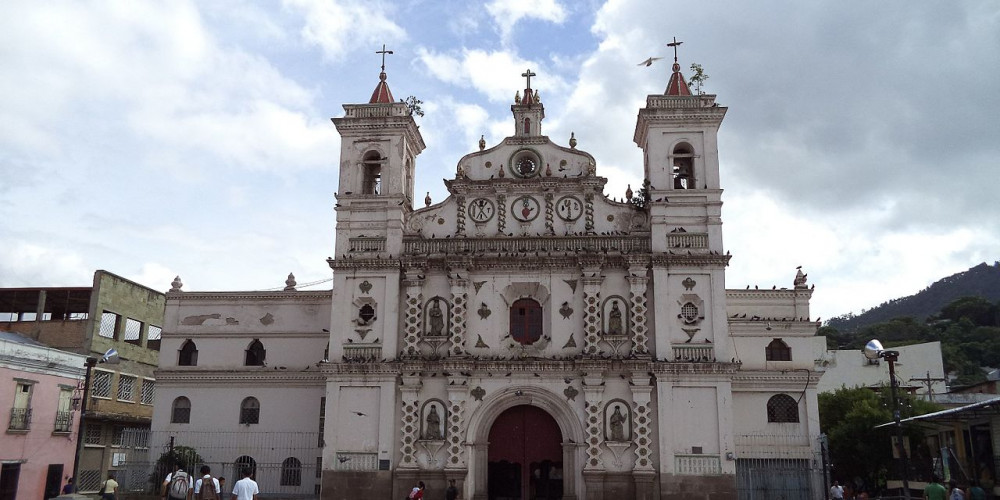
528, 336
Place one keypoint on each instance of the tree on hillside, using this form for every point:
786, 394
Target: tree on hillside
860, 453
978, 310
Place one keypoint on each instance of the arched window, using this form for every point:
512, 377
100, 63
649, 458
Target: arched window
291, 472
778, 350
243, 463
683, 168
526, 321
527, 126
250, 411
255, 354
372, 171
188, 355
180, 411
782, 408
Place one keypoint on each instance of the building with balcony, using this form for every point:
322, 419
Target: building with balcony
113, 313
37, 387
529, 336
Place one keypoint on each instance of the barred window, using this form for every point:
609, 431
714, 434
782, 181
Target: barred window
153, 337
188, 355
133, 331
320, 442
782, 408
93, 434
250, 411
689, 312
319, 467
126, 388
778, 350
109, 323
181, 411
291, 472
118, 436
255, 354
101, 385
148, 391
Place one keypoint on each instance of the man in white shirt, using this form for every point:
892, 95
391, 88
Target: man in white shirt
246, 488
836, 491
178, 470
206, 475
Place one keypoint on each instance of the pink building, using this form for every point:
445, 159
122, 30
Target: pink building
37, 388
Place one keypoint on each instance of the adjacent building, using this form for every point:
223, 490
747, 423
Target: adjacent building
38, 385
528, 336
113, 313
920, 370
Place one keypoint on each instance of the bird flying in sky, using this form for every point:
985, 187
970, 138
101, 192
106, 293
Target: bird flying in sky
649, 62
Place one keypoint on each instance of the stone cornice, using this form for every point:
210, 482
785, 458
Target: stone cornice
671, 259
780, 293
768, 380
271, 296
348, 262
632, 243
262, 376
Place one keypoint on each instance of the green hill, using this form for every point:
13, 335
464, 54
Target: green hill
980, 281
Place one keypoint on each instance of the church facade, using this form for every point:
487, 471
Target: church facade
528, 336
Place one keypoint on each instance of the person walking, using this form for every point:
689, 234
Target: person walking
109, 489
955, 492
68, 488
177, 484
935, 490
836, 491
452, 492
246, 488
207, 488
976, 492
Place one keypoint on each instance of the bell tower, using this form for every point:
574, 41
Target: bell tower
528, 110
380, 142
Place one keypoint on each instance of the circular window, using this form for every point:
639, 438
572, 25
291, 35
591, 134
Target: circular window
689, 312
525, 163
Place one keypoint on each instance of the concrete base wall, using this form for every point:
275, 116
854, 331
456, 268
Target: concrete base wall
351, 485
674, 487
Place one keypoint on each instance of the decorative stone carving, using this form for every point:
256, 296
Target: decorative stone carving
478, 284
456, 423
615, 323
412, 319
588, 211
290, 283
365, 286
480, 344
571, 343
572, 285
637, 307
484, 312
642, 419
478, 393
549, 227
436, 318
460, 220
570, 393
591, 315
433, 430
176, 284
459, 303
618, 426
594, 424
501, 209
408, 429
566, 311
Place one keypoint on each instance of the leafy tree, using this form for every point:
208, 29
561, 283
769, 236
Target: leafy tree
414, 105
698, 78
165, 464
641, 197
978, 310
859, 452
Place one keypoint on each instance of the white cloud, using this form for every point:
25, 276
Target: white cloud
495, 74
506, 13
26, 264
339, 26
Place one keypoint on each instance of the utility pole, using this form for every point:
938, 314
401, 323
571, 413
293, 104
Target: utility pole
929, 382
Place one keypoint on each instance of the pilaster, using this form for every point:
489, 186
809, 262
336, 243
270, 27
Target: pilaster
637, 281
410, 421
592, 327
459, 307
458, 394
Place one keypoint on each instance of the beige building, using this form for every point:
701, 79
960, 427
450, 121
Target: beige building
528, 336
114, 313
920, 370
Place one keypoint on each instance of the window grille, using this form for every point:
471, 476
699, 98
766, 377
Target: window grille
133, 330
109, 322
250, 411
782, 408
181, 411
778, 350
689, 312
148, 391
64, 421
93, 435
153, 337
319, 467
291, 472
20, 419
101, 386
118, 436
126, 388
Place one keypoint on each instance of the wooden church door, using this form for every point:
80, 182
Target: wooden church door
525, 456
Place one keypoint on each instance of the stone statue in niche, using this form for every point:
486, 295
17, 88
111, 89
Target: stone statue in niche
617, 425
433, 430
436, 320
615, 320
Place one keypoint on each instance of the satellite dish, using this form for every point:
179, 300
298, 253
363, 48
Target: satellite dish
873, 349
111, 357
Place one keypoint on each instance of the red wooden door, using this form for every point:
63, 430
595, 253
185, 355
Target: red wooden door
525, 456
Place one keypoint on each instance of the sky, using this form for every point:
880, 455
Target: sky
156, 139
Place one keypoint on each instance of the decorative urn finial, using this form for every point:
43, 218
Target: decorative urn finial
482, 142
572, 140
517, 97
290, 283
628, 192
176, 284
427, 199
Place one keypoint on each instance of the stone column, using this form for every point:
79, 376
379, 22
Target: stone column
593, 391
458, 393
569, 470
412, 314
481, 454
460, 216
410, 423
459, 306
592, 327
637, 308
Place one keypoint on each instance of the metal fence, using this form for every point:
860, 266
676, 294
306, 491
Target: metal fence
284, 464
778, 467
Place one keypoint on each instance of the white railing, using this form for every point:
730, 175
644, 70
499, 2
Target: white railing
693, 353
353, 460
687, 240
363, 352
697, 465
367, 244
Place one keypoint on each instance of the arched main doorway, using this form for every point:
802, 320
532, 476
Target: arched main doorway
525, 456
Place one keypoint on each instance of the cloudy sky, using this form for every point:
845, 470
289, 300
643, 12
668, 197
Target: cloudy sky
193, 138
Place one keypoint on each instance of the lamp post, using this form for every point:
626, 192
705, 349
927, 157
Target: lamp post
110, 357
873, 350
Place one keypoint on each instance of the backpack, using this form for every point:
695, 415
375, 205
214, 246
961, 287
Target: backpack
207, 491
179, 484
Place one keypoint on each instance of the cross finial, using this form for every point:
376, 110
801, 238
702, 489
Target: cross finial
528, 74
383, 52
674, 44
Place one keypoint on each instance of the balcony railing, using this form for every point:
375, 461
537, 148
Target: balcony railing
64, 421
363, 352
697, 465
20, 419
686, 352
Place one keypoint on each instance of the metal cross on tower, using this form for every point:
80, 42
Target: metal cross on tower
383, 52
528, 74
674, 44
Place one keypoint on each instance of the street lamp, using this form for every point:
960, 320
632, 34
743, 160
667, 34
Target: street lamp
873, 350
110, 357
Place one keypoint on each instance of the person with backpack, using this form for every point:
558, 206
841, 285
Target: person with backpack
207, 488
177, 484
